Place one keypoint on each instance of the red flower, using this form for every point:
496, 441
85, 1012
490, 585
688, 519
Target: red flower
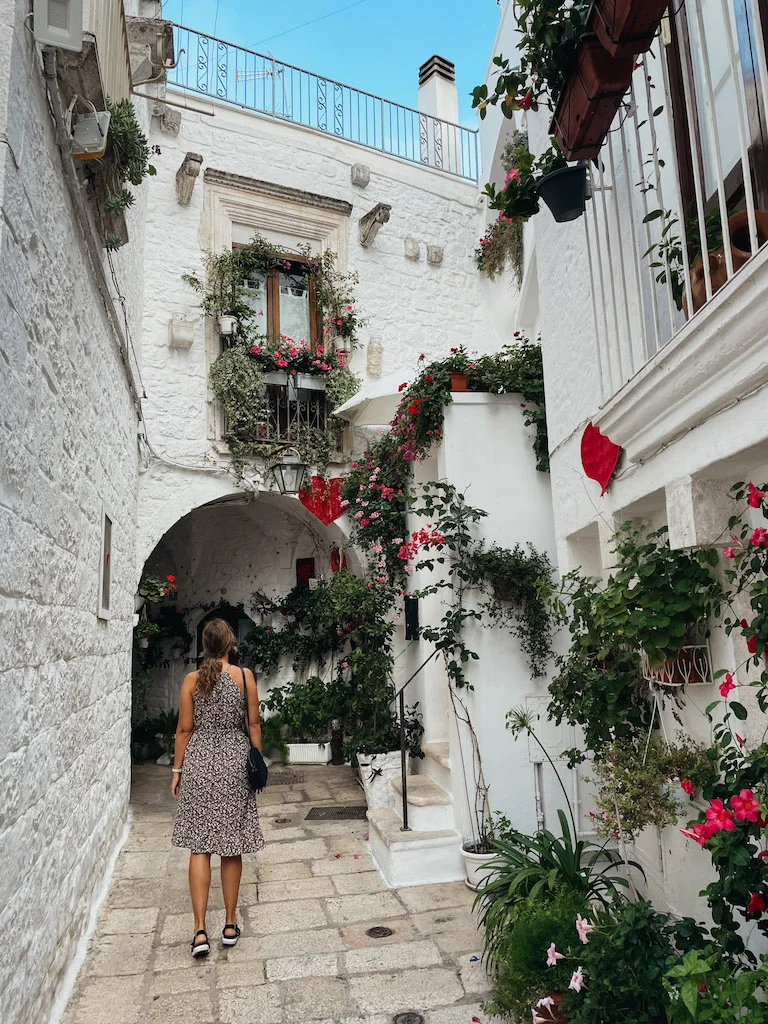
762, 855
527, 101
427, 378
755, 496
756, 904
739, 739
403, 386
759, 538
719, 817
687, 786
745, 807
413, 408
729, 552
421, 357
702, 987
700, 833
727, 685
349, 309
454, 350
171, 579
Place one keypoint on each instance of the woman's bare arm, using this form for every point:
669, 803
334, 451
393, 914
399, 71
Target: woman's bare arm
185, 728
253, 709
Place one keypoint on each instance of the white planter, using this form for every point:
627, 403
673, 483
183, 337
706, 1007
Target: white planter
164, 759
144, 642
275, 377
378, 772
341, 344
476, 867
309, 753
308, 382
227, 325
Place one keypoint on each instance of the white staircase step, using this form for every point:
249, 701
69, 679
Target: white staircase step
417, 857
422, 791
430, 807
439, 750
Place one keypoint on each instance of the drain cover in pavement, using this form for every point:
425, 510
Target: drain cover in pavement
379, 931
336, 813
411, 1017
284, 777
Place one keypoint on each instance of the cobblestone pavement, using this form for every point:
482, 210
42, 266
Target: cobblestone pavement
306, 903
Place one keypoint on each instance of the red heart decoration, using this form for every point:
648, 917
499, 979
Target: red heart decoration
323, 499
599, 456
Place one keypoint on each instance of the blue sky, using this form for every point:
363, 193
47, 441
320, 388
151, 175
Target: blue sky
375, 45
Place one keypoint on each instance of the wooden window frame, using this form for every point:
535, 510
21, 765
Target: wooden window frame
273, 299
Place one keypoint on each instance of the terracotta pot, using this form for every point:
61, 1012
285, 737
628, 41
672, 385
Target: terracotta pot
741, 252
459, 382
552, 1014
590, 99
626, 27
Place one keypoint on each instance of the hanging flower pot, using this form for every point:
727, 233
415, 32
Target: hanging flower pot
565, 192
590, 100
458, 381
144, 642
693, 664
626, 27
227, 325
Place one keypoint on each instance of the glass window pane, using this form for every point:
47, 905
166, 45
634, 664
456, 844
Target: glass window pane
294, 306
255, 296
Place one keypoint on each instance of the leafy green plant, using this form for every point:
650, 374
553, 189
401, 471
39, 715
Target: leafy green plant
500, 247
518, 199
706, 988
272, 738
521, 972
306, 709
126, 161
237, 383
540, 866
550, 31
146, 629
154, 590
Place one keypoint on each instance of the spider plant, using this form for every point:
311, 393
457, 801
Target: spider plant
539, 868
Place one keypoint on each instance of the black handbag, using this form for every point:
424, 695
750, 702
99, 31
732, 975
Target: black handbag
257, 767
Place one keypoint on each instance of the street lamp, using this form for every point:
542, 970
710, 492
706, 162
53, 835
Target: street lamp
290, 474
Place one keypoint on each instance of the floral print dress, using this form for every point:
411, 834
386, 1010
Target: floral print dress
217, 811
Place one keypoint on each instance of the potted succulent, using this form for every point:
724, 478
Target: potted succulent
624, 27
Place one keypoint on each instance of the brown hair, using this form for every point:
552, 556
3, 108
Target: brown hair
218, 641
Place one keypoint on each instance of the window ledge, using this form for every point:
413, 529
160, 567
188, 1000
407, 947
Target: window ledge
716, 360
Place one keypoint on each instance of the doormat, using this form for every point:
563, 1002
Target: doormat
284, 777
336, 813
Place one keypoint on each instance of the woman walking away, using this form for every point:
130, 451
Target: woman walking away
216, 810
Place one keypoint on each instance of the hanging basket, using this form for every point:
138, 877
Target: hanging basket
626, 27
590, 100
565, 192
693, 664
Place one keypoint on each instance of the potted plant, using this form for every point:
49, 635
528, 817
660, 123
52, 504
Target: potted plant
564, 190
145, 631
306, 712
154, 589
624, 27
477, 854
145, 745
166, 733
590, 99
457, 366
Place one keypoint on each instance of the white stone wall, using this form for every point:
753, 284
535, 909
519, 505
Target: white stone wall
67, 443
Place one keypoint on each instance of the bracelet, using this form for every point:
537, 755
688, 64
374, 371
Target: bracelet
176, 771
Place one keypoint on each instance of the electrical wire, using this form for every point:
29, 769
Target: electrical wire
216, 18
306, 24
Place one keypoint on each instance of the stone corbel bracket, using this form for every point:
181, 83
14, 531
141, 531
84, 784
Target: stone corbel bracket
369, 224
186, 176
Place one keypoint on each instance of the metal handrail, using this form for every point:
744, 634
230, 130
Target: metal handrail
400, 697
234, 75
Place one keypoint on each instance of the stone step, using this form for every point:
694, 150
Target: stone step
439, 750
418, 857
423, 791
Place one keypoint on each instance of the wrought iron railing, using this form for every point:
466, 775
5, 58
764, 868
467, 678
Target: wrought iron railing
231, 74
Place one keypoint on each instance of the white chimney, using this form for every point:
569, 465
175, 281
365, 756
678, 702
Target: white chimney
437, 89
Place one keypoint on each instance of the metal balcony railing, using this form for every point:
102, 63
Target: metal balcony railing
231, 74
685, 161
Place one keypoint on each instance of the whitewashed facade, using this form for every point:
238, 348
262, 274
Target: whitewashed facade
685, 400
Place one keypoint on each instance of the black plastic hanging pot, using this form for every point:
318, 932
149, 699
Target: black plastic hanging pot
565, 192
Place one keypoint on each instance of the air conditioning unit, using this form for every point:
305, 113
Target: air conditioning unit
59, 23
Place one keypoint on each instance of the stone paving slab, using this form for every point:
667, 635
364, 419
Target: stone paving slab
307, 902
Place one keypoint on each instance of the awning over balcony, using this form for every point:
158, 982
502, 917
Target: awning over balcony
375, 404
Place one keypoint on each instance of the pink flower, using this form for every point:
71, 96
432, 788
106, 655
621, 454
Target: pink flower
729, 552
527, 101
583, 927
577, 981
536, 1018
727, 685
553, 956
546, 1001
345, 664
755, 496
745, 807
719, 817
513, 175
687, 786
376, 549
759, 538
700, 833
739, 739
